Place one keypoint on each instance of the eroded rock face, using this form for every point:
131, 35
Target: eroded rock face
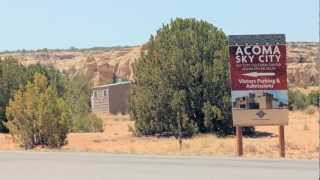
304, 64
303, 52
304, 74
101, 63
90, 67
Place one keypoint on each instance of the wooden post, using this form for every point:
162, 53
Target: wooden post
282, 142
239, 141
179, 131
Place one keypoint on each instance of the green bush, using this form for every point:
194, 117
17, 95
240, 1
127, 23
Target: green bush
77, 96
313, 97
70, 91
181, 81
13, 76
88, 123
300, 101
74, 88
37, 116
297, 100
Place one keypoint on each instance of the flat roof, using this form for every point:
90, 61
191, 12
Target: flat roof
109, 85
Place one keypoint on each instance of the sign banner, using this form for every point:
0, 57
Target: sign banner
258, 79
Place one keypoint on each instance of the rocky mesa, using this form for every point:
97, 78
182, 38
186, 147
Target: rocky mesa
101, 63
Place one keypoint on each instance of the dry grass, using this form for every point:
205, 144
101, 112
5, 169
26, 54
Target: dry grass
6, 142
311, 110
306, 90
302, 140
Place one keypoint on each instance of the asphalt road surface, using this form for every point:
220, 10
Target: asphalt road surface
93, 166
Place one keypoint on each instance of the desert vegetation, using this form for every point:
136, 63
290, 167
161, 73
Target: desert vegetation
180, 88
37, 116
181, 81
301, 101
302, 140
39, 105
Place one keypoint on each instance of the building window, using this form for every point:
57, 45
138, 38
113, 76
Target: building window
95, 93
105, 92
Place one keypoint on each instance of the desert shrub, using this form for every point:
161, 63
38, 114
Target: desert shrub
310, 110
132, 130
74, 88
37, 116
181, 81
77, 96
13, 75
313, 98
297, 100
88, 123
300, 101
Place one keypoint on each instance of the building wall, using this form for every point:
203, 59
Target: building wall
269, 100
113, 98
119, 99
262, 101
259, 100
100, 100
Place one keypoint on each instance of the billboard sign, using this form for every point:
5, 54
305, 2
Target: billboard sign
259, 86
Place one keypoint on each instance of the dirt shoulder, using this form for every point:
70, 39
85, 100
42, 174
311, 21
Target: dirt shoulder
302, 140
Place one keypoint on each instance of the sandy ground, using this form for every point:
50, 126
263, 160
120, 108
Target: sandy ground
302, 141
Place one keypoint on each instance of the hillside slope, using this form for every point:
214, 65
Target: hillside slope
101, 63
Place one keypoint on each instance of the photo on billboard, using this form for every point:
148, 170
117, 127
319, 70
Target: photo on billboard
260, 99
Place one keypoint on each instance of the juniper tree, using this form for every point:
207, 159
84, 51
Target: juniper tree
188, 56
37, 116
14, 75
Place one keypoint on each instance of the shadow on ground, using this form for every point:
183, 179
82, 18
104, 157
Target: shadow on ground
261, 134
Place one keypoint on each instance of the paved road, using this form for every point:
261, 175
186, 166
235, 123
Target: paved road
92, 166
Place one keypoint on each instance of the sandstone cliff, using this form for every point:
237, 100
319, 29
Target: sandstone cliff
304, 64
101, 63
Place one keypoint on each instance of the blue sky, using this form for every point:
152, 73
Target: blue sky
33, 24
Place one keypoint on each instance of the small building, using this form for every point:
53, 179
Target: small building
111, 98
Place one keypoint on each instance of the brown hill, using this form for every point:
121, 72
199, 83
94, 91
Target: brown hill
101, 63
